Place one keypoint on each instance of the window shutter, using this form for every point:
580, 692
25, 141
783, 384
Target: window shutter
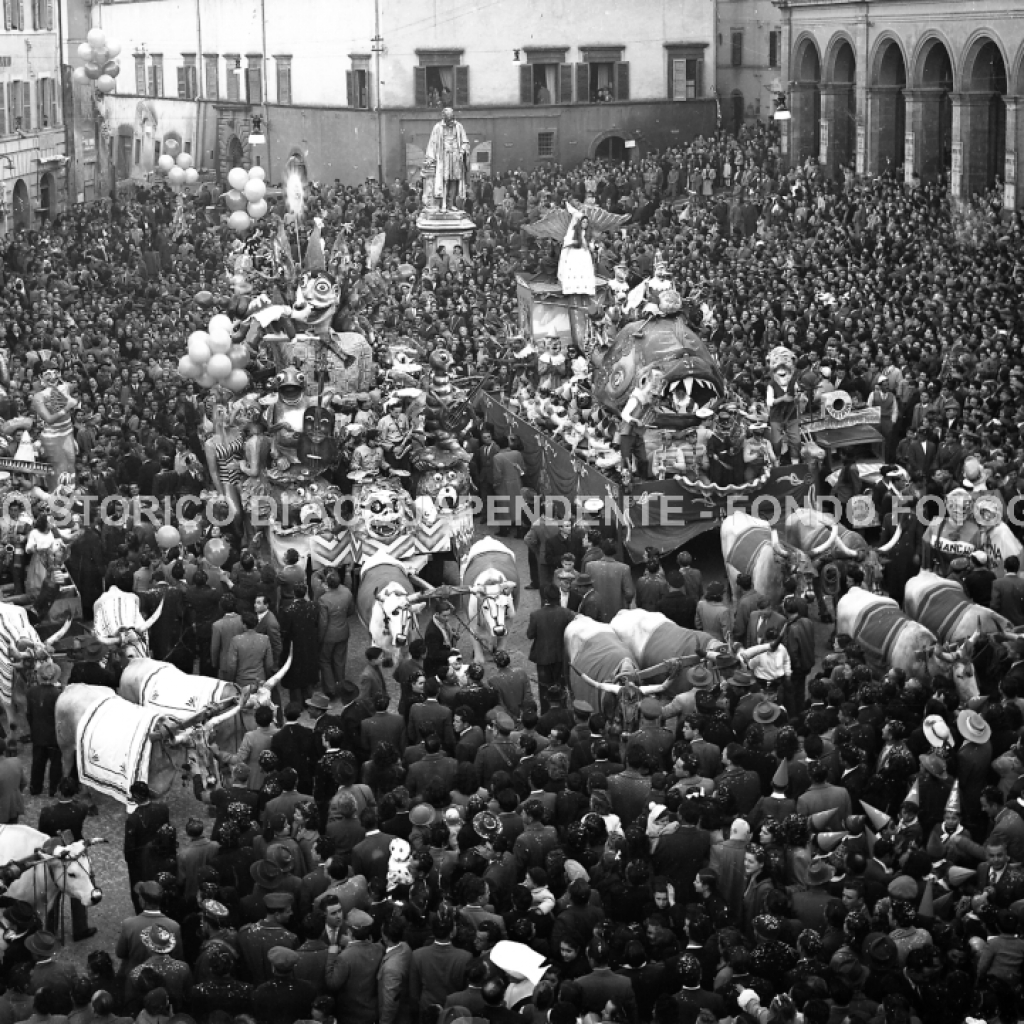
582, 83
526, 84
419, 78
26, 106
182, 88
140, 76
19, 15
34, 4
54, 104
7, 15
350, 88
622, 80
564, 83
461, 86
49, 15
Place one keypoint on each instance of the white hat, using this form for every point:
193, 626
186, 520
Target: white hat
936, 731
980, 557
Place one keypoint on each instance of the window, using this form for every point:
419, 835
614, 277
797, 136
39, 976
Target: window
441, 79
357, 82
156, 151
46, 98
14, 15
232, 65
212, 83
156, 74
545, 144
774, 48
42, 15
21, 106
188, 85
685, 71
254, 79
603, 76
187, 146
140, 74
545, 77
284, 79
138, 152
736, 38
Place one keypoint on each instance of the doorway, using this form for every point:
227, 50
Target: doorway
611, 148
22, 207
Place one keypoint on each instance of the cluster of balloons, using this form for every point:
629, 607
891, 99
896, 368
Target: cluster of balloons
187, 532
100, 56
245, 199
212, 358
176, 165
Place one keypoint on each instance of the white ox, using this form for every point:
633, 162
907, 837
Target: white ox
18, 642
388, 603
941, 605
595, 649
118, 622
813, 530
751, 546
891, 640
652, 639
490, 573
48, 869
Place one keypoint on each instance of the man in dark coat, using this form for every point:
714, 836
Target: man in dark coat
547, 631
202, 609
42, 724
140, 829
283, 996
297, 747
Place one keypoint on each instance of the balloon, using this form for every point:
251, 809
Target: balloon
237, 177
176, 176
111, 68
79, 75
217, 551
257, 173
167, 537
258, 210
239, 356
219, 367
191, 176
221, 324
113, 47
96, 38
188, 369
105, 84
190, 532
184, 161
254, 190
93, 71
238, 380
220, 343
234, 200
240, 221
205, 381
171, 146
85, 52
204, 299
199, 347
165, 163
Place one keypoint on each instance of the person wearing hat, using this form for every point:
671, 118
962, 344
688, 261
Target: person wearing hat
140, 829
255, 941
822, 796
47, 971
979, 580
651, 735
809, 905
282, 996
499, 753
130, 947
712, 615
175, 974
352, 970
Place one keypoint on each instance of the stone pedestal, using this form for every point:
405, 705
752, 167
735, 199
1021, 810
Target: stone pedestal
445, 227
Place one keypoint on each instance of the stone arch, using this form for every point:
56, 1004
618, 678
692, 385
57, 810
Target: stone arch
887, 99
933, 76
924, 68
983, 83
805, 98
840, 59
982, 44
839, 107
601, 142
1016, 81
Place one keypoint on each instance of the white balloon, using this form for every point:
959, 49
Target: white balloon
219, 367
220, 343
240, 221
254, 190
191, 176
257, 173
85, 52
199, 347
188, 369
206, 381
238, 380
237, 177
97, 38
221, 324
79, 75
184, 161
176, 176
165, 163
258, 210
113, 47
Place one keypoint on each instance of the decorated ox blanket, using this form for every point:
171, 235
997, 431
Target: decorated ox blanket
483, 556
747, 548
113, 747
672, 641
374, 578
600, 657
941, 607
176, 695
876, 629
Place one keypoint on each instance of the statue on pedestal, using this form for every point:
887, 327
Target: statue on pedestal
446, 164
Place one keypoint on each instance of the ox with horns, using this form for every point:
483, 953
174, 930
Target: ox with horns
388, 603
891, 640
751, 546
118, 623
20, 650
491, 577
942, 606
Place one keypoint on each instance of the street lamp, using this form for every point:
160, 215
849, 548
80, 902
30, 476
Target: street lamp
256, 136
781, 108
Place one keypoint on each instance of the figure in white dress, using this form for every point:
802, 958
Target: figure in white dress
576, 264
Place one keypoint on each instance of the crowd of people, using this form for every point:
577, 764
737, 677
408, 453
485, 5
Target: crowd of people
445, 842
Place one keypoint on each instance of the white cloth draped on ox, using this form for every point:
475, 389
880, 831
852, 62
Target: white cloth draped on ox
112, 746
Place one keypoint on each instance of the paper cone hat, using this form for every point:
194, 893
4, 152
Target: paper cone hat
821, 819
953, 800
828, 841
879, 819
25, 452
780, 780
913, 794
957, 876
927, 907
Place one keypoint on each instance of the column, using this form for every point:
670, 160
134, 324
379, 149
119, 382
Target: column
1013, 191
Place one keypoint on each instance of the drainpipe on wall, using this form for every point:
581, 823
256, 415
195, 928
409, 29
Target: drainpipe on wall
200, 78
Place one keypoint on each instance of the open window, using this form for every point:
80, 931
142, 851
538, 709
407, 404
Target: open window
357, 81
602, 76
685, 70
545, 77
441, 80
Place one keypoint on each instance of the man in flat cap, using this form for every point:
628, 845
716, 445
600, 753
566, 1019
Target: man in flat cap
352, 971
257, 940
283, 996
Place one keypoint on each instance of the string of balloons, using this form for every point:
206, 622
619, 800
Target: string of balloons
101, 65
